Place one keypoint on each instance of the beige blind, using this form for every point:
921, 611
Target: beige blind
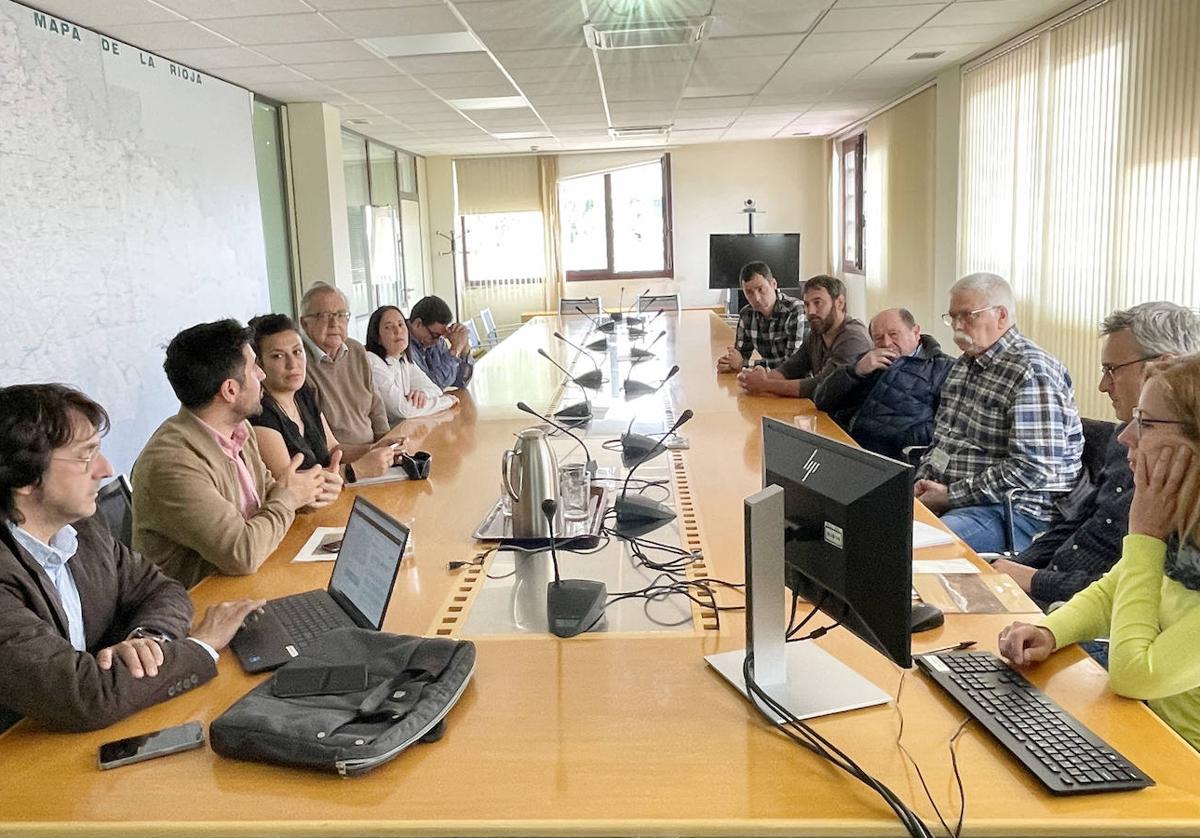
1081, 173
497, 184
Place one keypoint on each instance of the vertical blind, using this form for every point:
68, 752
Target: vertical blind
1081, 173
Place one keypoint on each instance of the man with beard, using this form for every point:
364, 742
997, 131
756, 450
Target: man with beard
203, 500
833, 340
1007, 420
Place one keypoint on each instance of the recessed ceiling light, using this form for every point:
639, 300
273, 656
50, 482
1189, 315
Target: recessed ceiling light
639, 131
802, 134
521, 135
651, 33
402, 46
359, 121
925, 56
488, 103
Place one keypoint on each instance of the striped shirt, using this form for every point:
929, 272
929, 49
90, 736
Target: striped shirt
1007, 420
777, 337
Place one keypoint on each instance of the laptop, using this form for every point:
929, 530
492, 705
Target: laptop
357, 596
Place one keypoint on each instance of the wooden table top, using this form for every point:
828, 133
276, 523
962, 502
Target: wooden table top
597, 735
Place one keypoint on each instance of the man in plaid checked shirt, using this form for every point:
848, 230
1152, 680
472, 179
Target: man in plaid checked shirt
772, 323
1007, 420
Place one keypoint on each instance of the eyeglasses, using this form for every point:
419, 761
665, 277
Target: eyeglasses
328, 317
87, 461
1107, 370
1142, 424
950, 317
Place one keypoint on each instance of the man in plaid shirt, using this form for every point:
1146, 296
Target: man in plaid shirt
773, 323
1007, 420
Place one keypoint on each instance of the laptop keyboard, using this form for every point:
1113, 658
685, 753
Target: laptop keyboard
308, 615
1066, 756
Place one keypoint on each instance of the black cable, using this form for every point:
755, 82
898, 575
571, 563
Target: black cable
953, 833
805, 736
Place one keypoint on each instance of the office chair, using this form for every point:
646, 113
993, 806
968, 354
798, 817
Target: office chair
114, 502
589, 304
489, 327
654, 302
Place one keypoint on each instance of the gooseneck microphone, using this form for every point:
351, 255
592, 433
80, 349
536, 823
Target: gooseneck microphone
573, 606
587, 380
637, 511
630, 320
640, 354
591, 464
607, 327
639, 330
619, 315
641, 388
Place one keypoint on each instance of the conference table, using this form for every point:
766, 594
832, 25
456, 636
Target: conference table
613, 733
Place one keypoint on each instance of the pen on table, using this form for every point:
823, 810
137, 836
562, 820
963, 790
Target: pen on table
957, 647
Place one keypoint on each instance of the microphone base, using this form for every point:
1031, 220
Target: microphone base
591, 380
640, 354
633, 323
640, 514
598, 345
637, 448
575, 414
607, 328
574, 606
637, 388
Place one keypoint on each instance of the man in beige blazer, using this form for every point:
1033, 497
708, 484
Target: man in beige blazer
203, 501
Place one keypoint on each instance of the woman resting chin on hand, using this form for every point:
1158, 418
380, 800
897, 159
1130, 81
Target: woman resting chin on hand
1148, 605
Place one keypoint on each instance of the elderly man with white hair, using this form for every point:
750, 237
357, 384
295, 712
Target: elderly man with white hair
1007, 420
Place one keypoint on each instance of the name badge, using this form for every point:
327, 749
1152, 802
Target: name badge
939, 459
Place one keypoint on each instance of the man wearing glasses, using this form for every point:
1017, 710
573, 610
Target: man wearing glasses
90, 632
338, 368
1084, 539
440, 347
1007, 420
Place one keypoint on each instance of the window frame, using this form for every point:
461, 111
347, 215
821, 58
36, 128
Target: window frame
463, 250
608, 273
857, 147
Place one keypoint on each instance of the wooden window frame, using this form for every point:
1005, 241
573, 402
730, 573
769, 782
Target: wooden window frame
608, 273
855, 146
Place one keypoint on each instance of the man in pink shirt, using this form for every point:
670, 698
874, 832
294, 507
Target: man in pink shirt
203, 501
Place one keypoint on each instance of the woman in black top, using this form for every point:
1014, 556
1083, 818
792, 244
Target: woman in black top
291, 421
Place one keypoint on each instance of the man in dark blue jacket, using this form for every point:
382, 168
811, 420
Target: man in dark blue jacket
887, 400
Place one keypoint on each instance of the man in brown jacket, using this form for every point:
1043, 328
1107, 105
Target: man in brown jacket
203, 501
90, 632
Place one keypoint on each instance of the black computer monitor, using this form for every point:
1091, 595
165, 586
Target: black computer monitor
728, 253
848, 542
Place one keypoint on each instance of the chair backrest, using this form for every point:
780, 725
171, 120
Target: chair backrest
115, 504
654, 302
489, 326
1096, 435
567, 305
472, 334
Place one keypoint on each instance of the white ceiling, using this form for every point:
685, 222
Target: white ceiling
766, 69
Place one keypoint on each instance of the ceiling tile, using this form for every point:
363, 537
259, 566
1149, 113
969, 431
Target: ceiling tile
861, 4
724, 48
380, 23
1000, 11
461, 62
156, 36
333, 70
694, 91
250, 76
937, 36
341, 5
571, 86
763, 23
558, 57
297, 92
316, 52
483, 78
219, 58
276, 29
882, 17
480, 92
516, 14
207, 9
110, 13
840, 41
950, 55
534, 75
701, 102
398, 97
748, 70
706, 122
403, 46
535, 36
379, 84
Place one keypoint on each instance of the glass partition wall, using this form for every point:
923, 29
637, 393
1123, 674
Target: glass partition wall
385, 228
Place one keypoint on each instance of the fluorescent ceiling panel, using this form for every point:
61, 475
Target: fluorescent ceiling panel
488, 103
397, 46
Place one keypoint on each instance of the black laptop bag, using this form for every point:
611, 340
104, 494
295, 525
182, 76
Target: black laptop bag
412, 682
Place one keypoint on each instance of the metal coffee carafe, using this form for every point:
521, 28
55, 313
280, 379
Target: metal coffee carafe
529, 474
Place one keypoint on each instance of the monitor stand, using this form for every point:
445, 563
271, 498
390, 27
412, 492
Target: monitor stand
802, 677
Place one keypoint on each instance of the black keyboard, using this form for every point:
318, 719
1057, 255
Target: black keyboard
1066, 756
308, 615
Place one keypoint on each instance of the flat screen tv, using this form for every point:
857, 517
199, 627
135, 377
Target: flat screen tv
729, 252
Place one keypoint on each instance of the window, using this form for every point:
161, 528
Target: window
617, 225
502, 248
854, 154
268, 155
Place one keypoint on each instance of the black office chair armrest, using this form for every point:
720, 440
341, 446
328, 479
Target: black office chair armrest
1011, 527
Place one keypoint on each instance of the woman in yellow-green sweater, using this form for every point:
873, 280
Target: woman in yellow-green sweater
1148, 605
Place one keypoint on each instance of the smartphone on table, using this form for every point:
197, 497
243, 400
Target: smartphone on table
170, 740
299, 681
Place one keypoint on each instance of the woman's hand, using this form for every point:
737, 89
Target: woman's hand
1024, 644
1158, 474
418, 399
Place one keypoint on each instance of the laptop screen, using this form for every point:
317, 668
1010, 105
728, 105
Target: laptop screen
367, 563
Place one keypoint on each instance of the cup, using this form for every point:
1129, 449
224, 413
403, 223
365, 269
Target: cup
574, 487
805, 422
416, 466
